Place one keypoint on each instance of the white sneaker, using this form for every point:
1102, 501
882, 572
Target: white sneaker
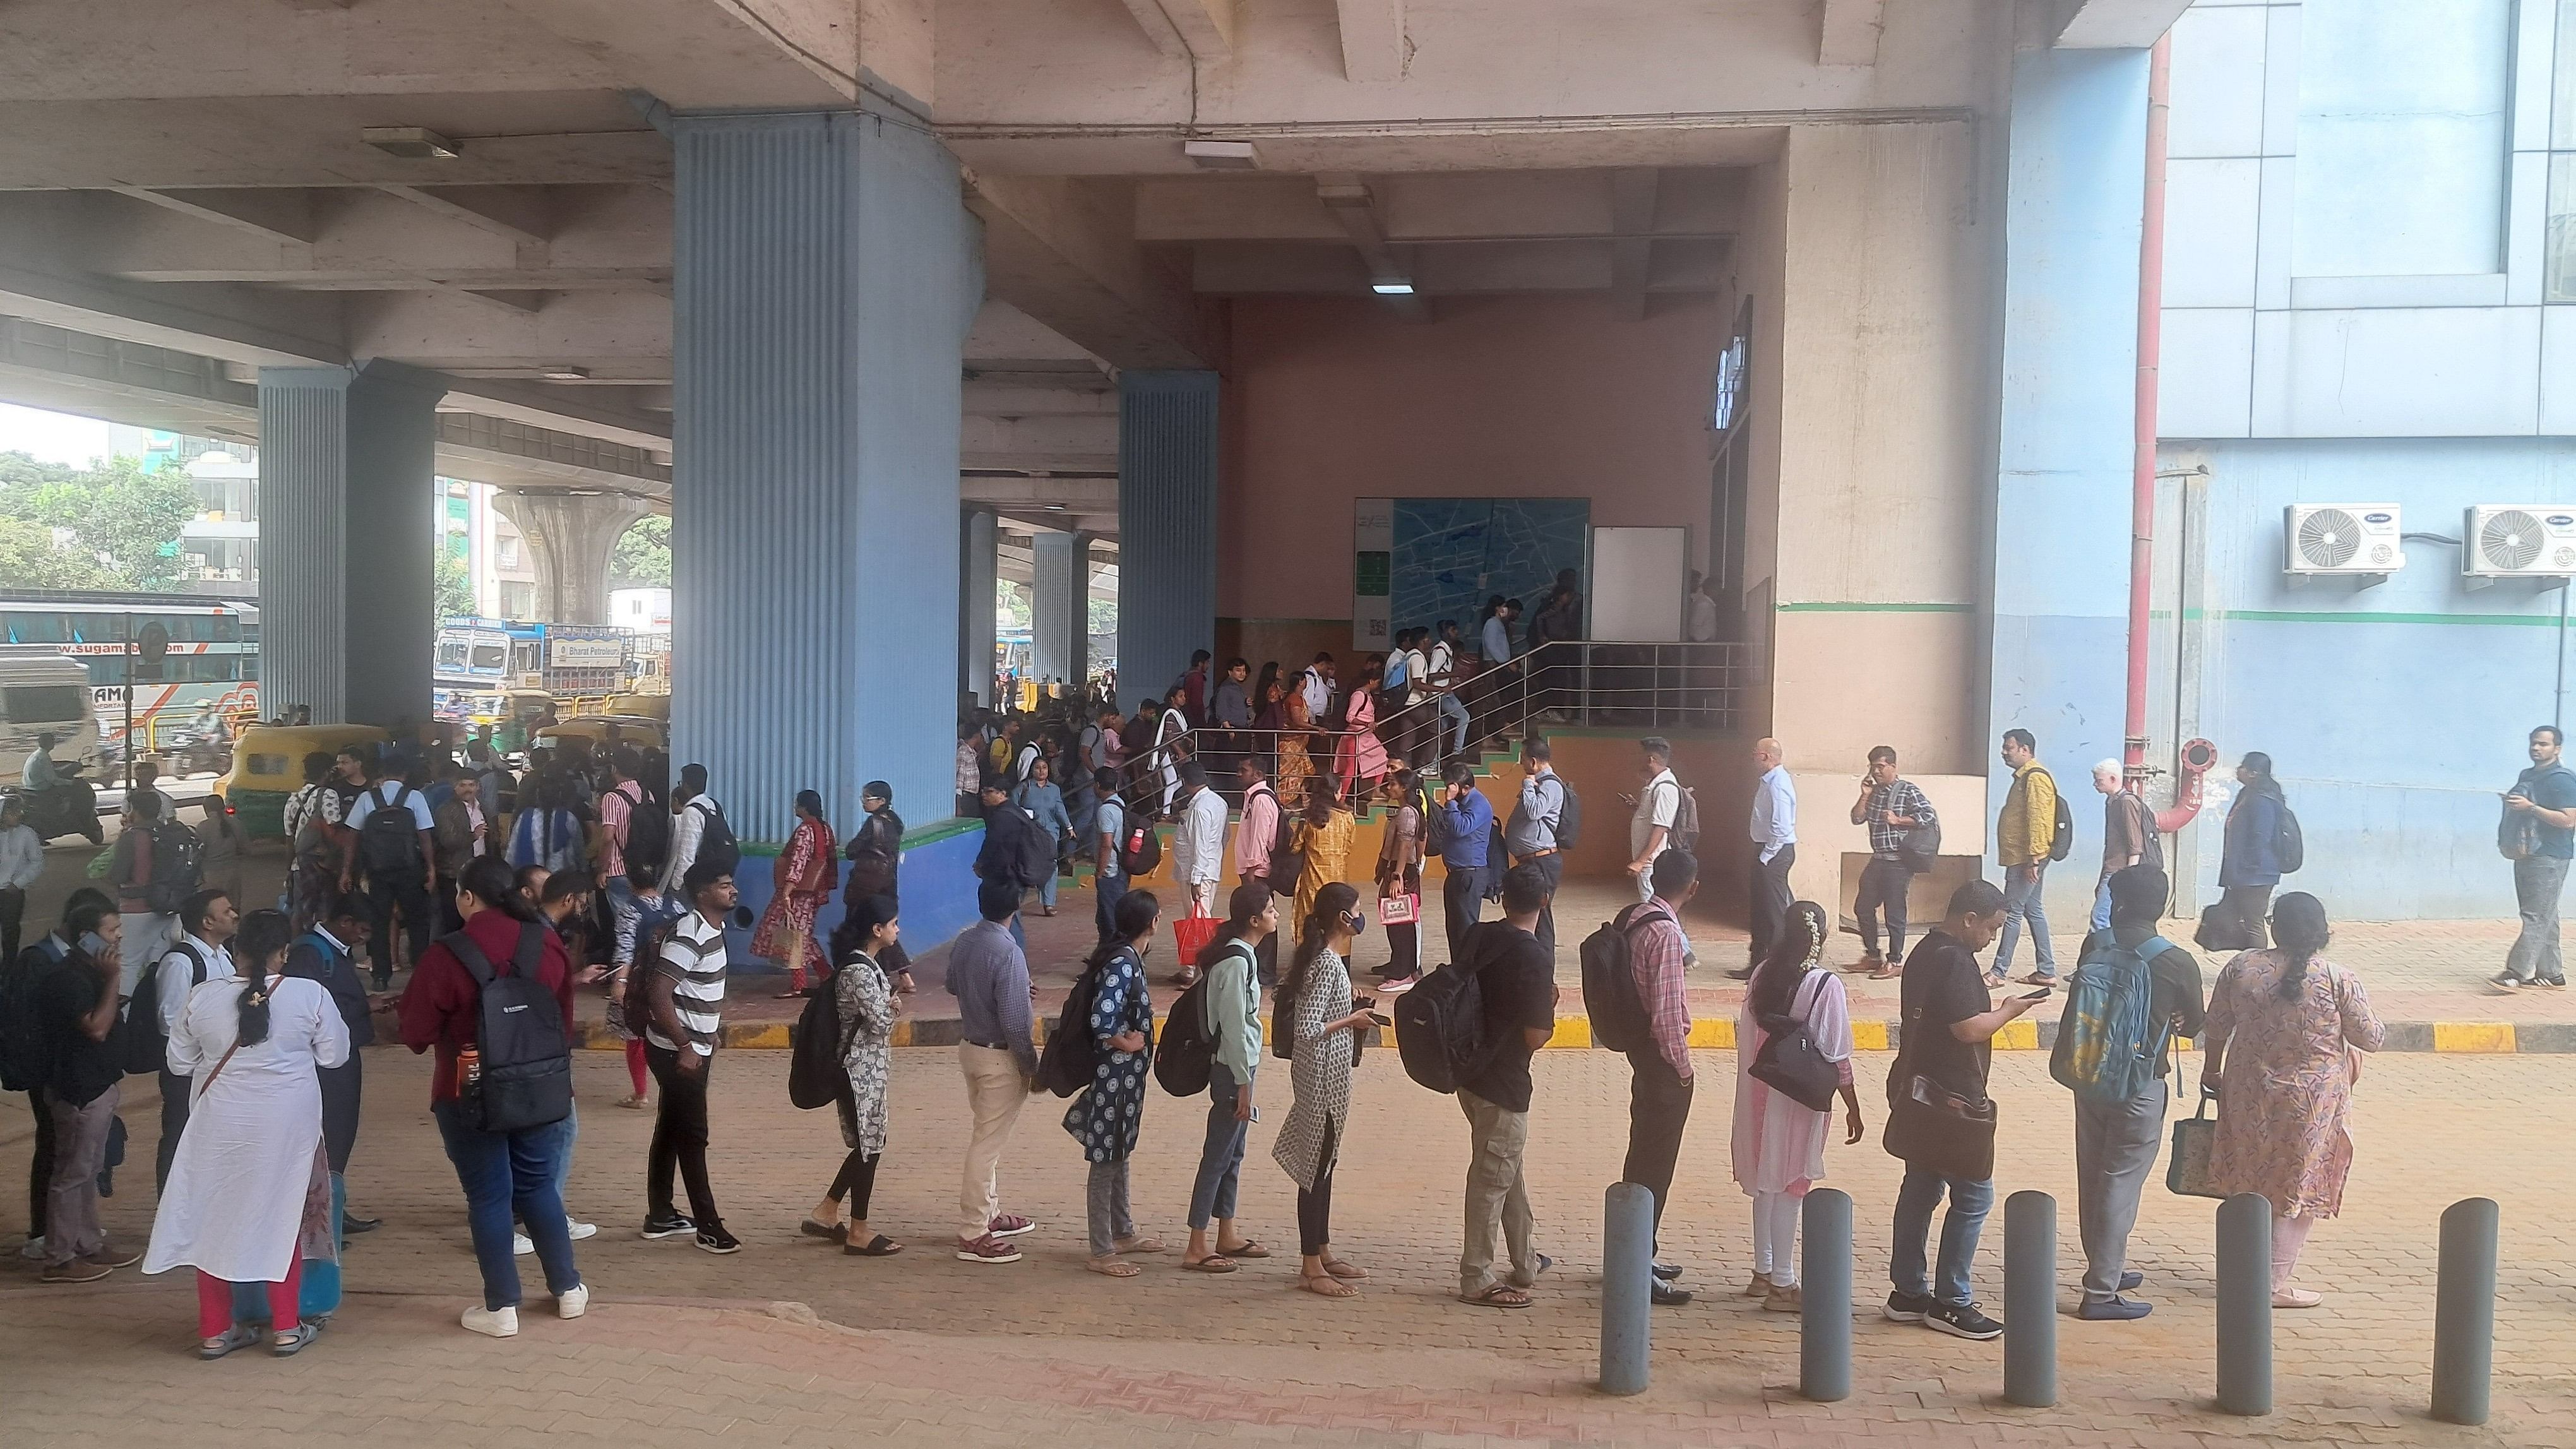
520, 1246
579, 1230
35, 1249
493, 1322
573, 1304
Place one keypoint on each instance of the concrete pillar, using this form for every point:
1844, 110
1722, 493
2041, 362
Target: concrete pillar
825, 274
2075, 174
978, 594
571, 536
346, 477
1167, 451
1060, 616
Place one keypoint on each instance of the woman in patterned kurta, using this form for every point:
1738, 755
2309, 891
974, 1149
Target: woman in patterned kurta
1296, 766
1359, 757
2285, 1033
1106, 1118
1322, 840
864, 1007
1316, 991
801, 881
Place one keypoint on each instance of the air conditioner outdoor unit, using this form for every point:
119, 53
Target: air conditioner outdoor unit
2518, 541
2341, 540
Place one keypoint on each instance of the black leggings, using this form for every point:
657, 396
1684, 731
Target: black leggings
1315, 1206
679, 1138
857, 1182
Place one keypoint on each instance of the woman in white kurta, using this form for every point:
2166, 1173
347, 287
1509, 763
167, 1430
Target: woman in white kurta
239, 1204
1780, 1143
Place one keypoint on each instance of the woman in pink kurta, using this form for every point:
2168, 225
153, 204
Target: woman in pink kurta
807, 870
1779, 1142
2286, 1029
1360, 757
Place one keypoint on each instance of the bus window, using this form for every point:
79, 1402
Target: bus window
210, 668
490, 657
451, 654
35, 628
250, 667
97, 628
29, 705
105, 669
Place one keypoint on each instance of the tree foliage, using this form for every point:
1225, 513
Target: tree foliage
454, 585
118, 526
642, 558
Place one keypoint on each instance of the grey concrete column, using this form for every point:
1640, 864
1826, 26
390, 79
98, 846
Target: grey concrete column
1167, 475
346, 473
825, 274
571, 536
978, 592
1060, 616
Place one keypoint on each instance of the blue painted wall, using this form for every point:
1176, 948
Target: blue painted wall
2059, 600
2393, 714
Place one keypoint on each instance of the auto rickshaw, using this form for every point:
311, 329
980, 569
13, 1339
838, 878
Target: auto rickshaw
634, 730
653, 706
268, 768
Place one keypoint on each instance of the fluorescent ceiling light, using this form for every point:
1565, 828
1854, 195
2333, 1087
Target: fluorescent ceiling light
415, 143
1392, 289
565, 372
1221, 155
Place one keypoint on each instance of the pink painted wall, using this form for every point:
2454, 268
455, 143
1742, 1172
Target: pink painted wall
1331, 400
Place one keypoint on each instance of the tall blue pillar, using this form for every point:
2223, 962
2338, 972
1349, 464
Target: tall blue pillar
1060, 607
978, 599
1167, 459
2073, 192
824, 276
347, 472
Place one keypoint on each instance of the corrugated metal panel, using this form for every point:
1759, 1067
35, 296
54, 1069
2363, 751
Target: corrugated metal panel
303, 511
818, 322
1167, 475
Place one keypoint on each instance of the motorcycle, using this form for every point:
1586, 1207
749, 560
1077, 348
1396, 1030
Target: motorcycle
200, 752
69, 808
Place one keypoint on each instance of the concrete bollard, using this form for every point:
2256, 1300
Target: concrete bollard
1825, 1323
2245, 1304
2030, 1300
1627, 1263
2464, 1312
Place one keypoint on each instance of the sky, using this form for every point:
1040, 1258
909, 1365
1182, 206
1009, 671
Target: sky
52, 437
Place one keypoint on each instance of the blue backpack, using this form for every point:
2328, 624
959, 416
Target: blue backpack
2110, 1039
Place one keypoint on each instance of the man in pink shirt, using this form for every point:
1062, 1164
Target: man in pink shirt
1253, 840
616, 821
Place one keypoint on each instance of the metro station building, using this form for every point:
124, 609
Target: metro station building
880, 299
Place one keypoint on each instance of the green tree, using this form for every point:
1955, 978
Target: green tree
454, 586
29, 559
642, 558
126, 519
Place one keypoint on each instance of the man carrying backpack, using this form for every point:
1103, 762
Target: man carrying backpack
398, 846
2025, 833
1012, 845
1109, 822
698, 826
154, 868
1660, 1081
1517, 982
328, 956
2114, 1052
206, 923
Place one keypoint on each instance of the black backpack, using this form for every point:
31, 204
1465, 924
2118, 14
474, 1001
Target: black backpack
1569, 817
1440, 1028
1071, 1057
147, 1047
1037, 854
26, 1058
1185, 1058
1142, 850
178, 867
389, 839
2289, 846
814, 1074
2061, 836
1619, 1019
716, 844
648, 832
519, 1038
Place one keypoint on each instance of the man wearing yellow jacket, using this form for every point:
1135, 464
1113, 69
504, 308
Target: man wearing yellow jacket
2023, 834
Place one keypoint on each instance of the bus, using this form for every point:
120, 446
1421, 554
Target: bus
174, 659
479, 657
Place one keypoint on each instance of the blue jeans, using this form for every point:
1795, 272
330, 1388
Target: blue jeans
1456, 713
1969, 1204
1221, 1159
503, 1171
1111, 887
2102, 905
2025, 890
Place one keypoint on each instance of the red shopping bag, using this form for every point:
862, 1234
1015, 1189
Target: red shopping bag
1190, 935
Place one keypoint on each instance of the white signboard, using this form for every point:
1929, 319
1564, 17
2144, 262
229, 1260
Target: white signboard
1639, 576
587, 653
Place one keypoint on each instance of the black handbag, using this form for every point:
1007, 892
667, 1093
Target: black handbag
1931, 1127
1791, 1064
1921, 848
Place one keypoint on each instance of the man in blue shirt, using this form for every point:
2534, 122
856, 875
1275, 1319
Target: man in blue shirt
1462, 823
2545, 797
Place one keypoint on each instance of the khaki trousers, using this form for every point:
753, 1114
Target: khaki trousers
1497, 1196
995, 1092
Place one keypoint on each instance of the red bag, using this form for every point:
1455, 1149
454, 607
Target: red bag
1190, 936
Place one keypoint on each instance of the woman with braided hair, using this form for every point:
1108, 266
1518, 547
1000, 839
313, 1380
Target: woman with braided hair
1315, 1011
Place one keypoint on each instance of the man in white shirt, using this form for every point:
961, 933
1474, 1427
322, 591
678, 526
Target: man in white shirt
22, 860
1774, 830
1315, 686
691, 805
1702, 611
1659, 803
395, 886
1439, 673
1198, 845
207, 920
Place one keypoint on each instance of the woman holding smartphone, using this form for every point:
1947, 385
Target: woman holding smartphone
1324, 1025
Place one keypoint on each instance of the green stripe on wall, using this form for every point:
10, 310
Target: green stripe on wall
1857, 607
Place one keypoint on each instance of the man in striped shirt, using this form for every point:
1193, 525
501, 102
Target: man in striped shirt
1660, 1077
686, 991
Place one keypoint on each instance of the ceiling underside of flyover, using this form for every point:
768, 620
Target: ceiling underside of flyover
187, 190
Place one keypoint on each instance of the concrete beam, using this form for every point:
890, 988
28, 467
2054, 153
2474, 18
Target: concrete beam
515, 213
561, 411
1201, 28
1041, 443
2118, 24
1632, 209
1850, 32
1062, 251
1354, 208
714, 54
510, 454
1032, 495
1374, 47
277, 213
604, 331
158, 316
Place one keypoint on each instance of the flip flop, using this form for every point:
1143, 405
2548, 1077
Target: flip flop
1212, 1263
1325, 1285
1501, 1295
879, 1246
240, 1335
1113, 1267
1141, 1244
1243, 1250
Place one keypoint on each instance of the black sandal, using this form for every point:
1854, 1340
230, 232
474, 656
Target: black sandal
879, 1246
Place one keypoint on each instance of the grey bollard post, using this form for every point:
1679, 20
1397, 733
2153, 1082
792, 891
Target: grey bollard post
1825, 1323
2030, 1300
2245, 1304
2464, 1312
1627, 1263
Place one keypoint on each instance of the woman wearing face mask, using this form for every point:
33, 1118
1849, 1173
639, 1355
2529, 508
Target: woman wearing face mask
1326, 1025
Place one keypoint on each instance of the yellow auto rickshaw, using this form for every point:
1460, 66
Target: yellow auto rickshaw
633, 730
268, 768
652, 706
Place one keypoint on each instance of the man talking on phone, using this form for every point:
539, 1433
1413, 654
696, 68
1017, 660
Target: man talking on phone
1463, 823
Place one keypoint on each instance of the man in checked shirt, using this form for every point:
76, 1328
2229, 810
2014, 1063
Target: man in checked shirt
1891, 806
1660, 1082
